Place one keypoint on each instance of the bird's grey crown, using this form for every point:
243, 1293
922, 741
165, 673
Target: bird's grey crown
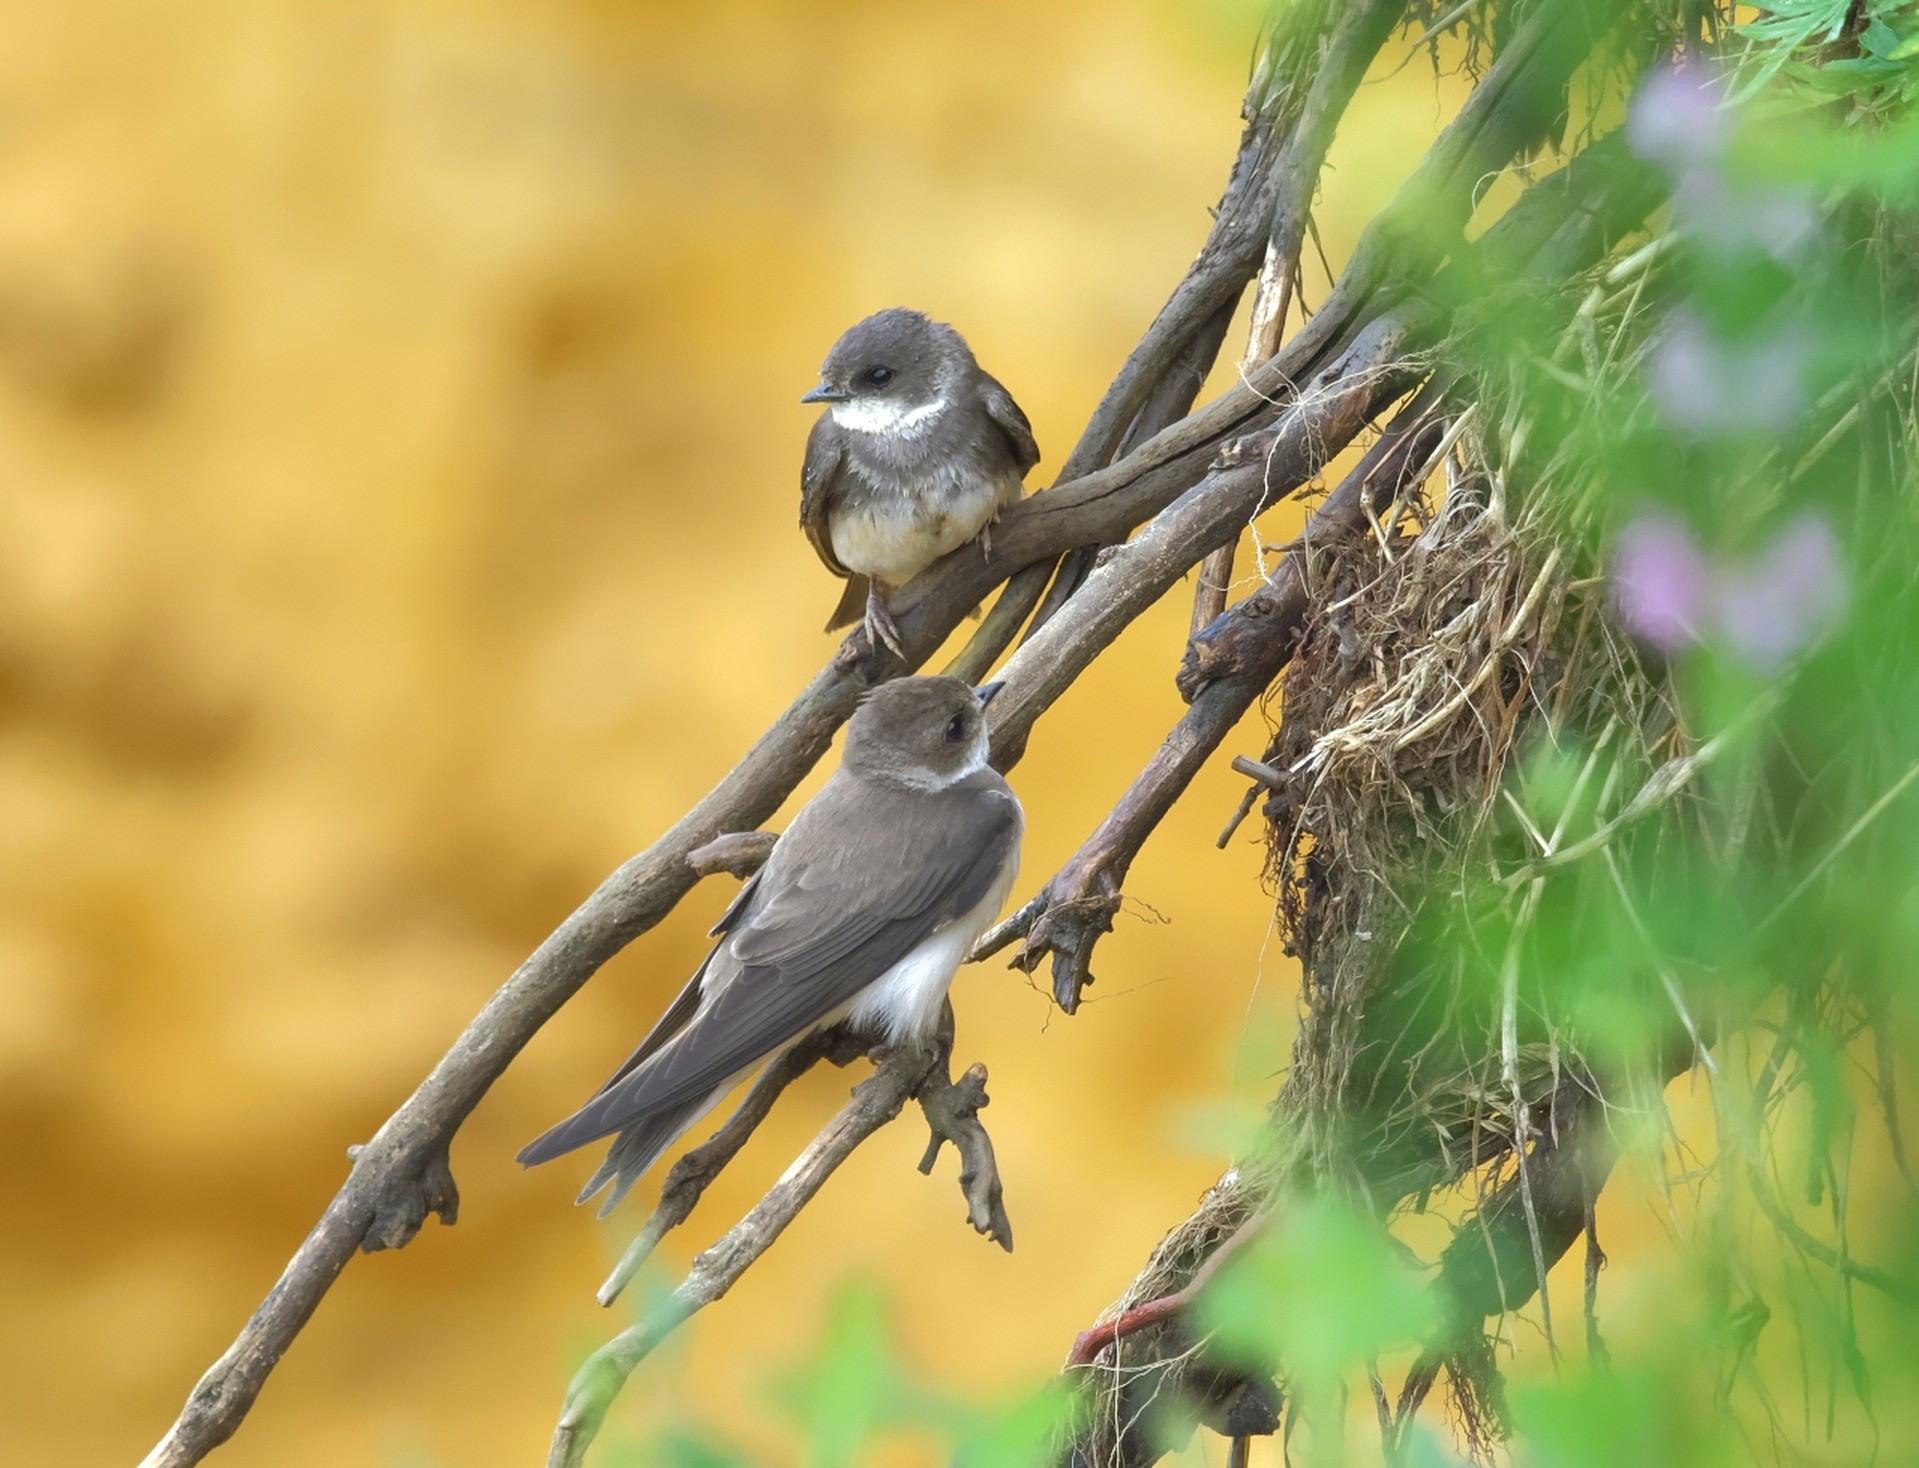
925, 358
924, 733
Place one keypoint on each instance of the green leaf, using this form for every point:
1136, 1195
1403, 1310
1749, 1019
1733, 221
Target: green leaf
1879, 39
1024, 1435
852, 1385
1320, 1290
1600, 1419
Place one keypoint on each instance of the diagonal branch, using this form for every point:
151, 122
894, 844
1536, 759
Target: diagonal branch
1303, 85
901, 1074
1227, 667
696, 1171
1561, 225
875, 1102
402, 1175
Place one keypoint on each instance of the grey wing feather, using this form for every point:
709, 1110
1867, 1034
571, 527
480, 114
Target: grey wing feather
1012, 422
852, 605
637, 1148
685, 1005
818, 936
819, 490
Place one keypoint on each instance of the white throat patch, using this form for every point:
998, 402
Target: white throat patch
927, 780
887, 419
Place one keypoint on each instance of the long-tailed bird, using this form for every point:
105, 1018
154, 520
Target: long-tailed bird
918, 452
867, 907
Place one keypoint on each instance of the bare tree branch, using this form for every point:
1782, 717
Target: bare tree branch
1352, 361
1227, 667
908, 1072
695, 1172
402, 1175
1304, 84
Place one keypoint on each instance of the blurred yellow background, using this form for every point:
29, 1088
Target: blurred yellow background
399, 444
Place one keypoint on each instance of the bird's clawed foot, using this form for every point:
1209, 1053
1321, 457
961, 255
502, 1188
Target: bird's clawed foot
879, 622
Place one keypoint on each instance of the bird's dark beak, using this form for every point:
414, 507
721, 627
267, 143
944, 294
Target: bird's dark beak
825, 394
986, 692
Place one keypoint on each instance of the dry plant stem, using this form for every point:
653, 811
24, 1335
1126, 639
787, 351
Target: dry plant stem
1216, 571
1258, 772
1354, 41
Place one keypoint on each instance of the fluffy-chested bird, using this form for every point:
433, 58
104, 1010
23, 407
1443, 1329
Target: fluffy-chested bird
917, 453
867, 907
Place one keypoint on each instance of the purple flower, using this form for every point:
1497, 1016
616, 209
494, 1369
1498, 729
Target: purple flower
1703, 385
1681, 121
1678, 120
1669, 593
1774, 606
1659, 581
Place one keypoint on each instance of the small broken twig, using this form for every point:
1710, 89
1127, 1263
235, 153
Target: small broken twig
952, 1110
739, 853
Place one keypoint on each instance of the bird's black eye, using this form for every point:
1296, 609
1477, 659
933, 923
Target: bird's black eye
956, 729
878, 376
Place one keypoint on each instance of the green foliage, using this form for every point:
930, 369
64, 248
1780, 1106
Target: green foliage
1869, 54
1319, 1293
1644, 1414
851, 1387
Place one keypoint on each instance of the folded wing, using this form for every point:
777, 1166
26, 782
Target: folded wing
811, 936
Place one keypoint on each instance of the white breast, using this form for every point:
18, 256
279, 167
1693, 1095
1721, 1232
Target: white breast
894, 536
904, 1002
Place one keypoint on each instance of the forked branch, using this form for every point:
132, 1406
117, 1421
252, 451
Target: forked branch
901, 1074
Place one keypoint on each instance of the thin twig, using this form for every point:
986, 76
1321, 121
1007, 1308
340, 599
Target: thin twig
875, 1102
738, 853
1226, 668
1853, 833
1661, 786
695, 1172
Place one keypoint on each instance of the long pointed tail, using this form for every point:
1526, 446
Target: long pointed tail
639, 1146
852, 604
